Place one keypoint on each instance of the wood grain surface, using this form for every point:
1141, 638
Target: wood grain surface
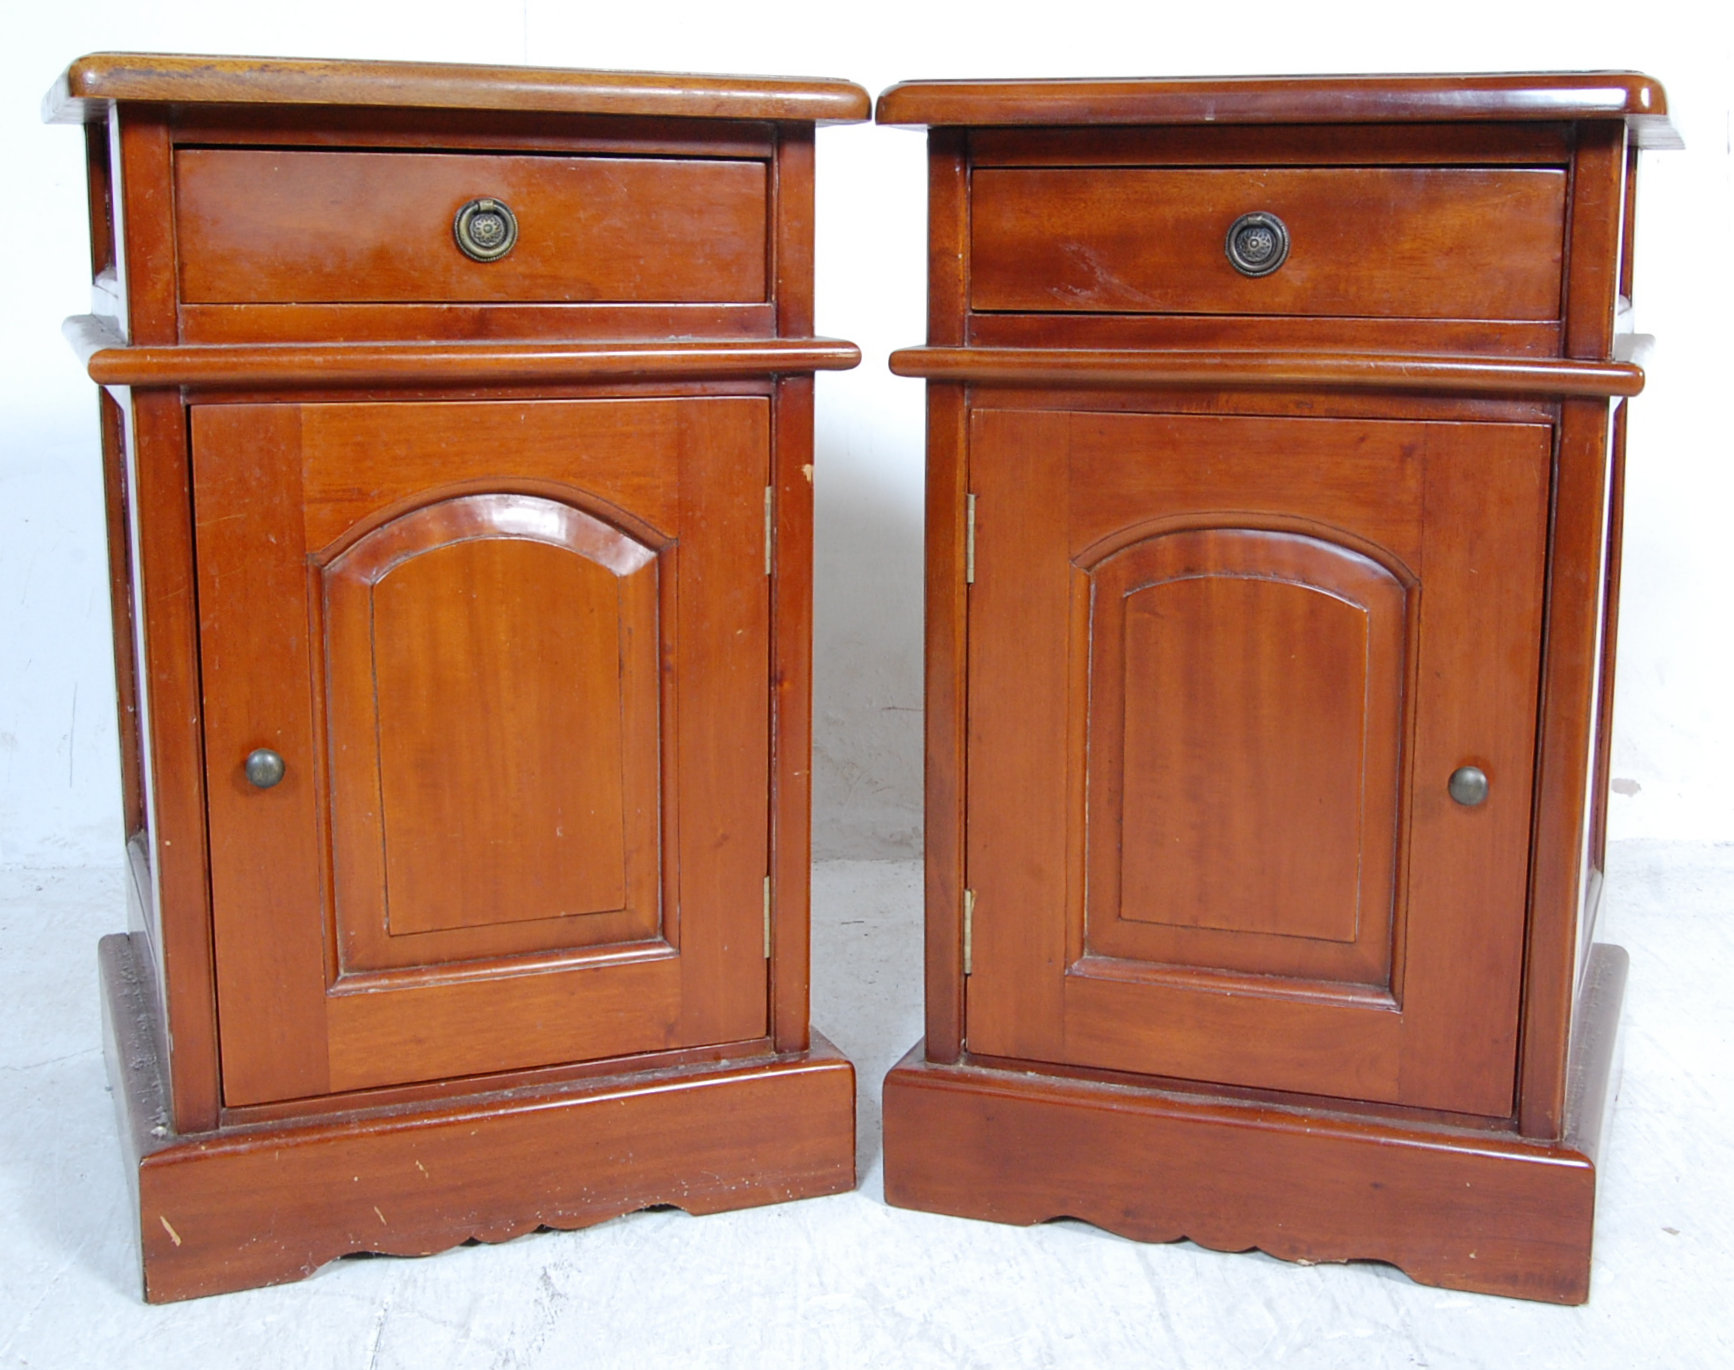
676, 959
1444, 508
1485, 1212
270, 1203
512, 565
1624, 95
85, 87
111, 362
1226, 577
1435, 242
264, 226
1235, 369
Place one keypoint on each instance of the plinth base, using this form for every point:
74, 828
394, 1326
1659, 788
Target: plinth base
1490, 1212
268, 1203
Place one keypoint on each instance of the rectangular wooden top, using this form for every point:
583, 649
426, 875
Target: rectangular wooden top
1627, 95
83, 91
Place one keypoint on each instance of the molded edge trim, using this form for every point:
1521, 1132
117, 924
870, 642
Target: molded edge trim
1149, 369
1289, 100
110, 361
248, 1206
1491, 1214
81, 93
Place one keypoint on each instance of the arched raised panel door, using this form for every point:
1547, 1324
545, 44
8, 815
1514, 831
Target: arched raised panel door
1220, 672
493, 740
514, 657
1245, 722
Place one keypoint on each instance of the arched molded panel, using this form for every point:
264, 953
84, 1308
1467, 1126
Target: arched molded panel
492, 715
1244, 756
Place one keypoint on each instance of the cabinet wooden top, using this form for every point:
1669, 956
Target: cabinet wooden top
1637, 99
82, 92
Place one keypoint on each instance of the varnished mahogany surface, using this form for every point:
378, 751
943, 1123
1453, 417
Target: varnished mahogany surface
1296, 369
1258, 613
270, 226
271, 1202
491, 730
165, 78
511, 564
1226, 577
1415, 242
1626, 95
1451, 1206
346, 365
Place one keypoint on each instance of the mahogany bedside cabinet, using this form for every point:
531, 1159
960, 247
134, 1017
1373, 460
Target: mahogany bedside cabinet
1275, 437
457, 425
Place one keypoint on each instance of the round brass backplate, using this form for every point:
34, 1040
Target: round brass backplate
485, 229
1257, 244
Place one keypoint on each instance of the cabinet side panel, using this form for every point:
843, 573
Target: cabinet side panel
945, 658
173, 748
946, 599
792, 711
118, 511
99, 182
1569, 672
1598, 848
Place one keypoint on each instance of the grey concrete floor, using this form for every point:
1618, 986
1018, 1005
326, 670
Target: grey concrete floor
846, 1281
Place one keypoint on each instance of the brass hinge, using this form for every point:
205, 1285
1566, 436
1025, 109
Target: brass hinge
770, 524
969, 932
767, 918
969, 539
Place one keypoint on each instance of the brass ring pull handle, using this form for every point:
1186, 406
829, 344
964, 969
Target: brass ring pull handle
1468, 785
1257, 244
485, 229
264, 768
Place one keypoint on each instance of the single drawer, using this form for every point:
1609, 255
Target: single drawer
1409, 242
258, 226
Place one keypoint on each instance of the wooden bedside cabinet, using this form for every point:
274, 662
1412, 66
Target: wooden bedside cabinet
458, 434
1275, 438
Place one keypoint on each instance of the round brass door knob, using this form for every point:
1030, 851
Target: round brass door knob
1257, 244
264, 768
485, 229
1468, 785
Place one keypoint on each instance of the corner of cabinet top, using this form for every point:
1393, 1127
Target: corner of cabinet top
89, 85
1480, 97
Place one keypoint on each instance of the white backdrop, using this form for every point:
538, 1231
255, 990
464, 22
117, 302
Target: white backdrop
1674, 748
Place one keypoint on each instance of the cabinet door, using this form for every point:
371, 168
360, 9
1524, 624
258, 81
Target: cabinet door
1220, 672
515, 657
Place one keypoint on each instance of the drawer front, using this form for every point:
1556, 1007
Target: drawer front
270, 227
1424, 243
